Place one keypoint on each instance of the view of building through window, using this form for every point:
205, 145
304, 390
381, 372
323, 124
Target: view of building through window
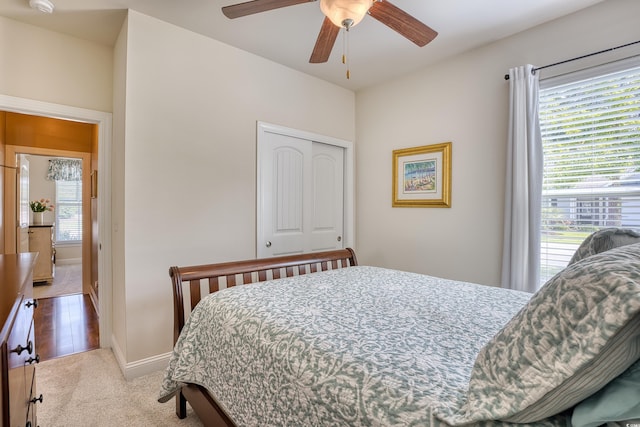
591, 142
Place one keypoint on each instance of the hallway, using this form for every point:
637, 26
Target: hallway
65, 325
65, 321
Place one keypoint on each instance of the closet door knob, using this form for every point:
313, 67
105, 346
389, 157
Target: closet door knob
268, 244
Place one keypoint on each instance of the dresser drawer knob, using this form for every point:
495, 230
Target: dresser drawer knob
37, 399
33, 303
32, 359
19, 349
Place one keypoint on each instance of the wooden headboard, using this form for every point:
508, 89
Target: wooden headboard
244, 272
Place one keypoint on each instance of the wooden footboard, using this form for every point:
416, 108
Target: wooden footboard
213, 277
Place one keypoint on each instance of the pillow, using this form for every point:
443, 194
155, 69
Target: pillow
617, 401
577, 333
603, 240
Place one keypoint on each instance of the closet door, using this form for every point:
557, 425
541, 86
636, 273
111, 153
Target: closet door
300, 195
327, 197
284, 192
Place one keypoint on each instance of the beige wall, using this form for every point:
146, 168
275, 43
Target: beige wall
119, 303
463, 100
187, 146
53, 67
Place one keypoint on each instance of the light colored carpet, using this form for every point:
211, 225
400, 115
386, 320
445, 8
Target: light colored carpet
67, 280
88, 389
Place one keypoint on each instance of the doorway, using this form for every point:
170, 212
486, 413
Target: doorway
46, 190
67, 319
102, 187
59, 180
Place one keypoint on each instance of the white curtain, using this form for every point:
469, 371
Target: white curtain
521, 248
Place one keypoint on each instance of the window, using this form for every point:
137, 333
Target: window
590, 125
68, 211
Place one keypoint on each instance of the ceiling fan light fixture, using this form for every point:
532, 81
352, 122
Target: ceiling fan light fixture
44, 6
340, 10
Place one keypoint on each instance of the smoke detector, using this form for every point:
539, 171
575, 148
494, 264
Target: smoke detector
44, 6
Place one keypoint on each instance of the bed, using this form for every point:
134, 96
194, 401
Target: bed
317, 339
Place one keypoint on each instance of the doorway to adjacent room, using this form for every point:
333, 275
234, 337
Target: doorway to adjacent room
100, 209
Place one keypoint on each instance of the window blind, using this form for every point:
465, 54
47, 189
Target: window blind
590, 131
68, 211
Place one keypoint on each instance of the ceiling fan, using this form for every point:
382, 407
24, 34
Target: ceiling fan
343, 14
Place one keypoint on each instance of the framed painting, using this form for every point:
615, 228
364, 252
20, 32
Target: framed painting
422, 176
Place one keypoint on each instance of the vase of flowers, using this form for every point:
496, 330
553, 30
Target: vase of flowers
39, 207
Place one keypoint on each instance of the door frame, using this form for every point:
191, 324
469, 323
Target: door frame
349, 234
12, 151
103, 120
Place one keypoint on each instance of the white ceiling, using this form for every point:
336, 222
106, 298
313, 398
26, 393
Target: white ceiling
287, 35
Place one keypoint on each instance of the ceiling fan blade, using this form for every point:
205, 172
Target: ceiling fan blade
324, 43
400, 21
257, 6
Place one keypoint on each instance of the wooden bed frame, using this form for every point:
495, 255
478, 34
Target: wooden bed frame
236, 273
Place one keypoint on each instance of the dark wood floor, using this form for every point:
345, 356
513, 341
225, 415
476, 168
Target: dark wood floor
65, 325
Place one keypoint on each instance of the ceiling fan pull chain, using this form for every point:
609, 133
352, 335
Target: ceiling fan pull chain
346, 24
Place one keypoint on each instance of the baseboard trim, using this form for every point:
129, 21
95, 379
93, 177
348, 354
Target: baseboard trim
139, 367
146, 366
94, 300
117, 353
68, 261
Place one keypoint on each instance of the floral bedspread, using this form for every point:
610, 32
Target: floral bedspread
360, 346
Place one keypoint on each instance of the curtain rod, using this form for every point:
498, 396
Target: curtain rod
506, 76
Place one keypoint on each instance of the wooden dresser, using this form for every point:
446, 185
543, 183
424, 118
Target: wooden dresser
41, 241
17, 341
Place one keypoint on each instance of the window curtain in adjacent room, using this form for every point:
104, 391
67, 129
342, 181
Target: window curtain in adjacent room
521, 246
65, 170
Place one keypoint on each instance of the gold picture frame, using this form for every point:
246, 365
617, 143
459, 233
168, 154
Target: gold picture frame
422, 176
